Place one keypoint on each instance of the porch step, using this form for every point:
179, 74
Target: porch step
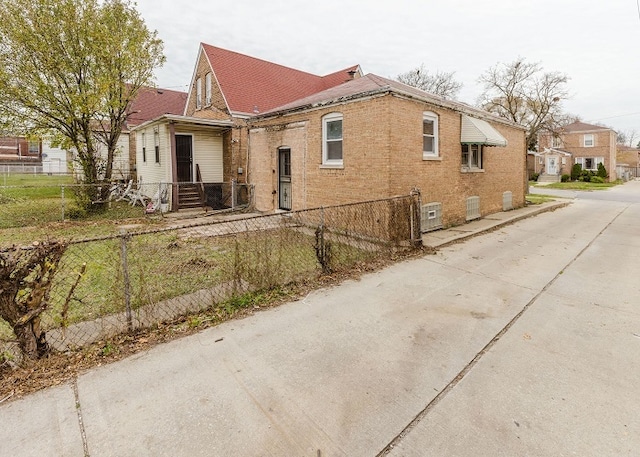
548, 178
189, 197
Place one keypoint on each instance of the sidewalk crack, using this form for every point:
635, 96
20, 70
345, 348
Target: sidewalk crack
85, 445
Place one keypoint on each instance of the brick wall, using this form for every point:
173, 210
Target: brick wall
218, 108
382, 155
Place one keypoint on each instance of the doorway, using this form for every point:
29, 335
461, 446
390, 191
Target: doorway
184, 158
284, 179
552, 165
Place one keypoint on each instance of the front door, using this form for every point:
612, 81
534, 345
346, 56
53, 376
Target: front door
284, 179
552, 165
184, 158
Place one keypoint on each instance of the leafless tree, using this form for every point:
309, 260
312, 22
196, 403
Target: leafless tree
522, 92
628, 137
441, 83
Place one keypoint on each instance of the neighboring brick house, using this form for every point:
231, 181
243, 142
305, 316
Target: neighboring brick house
373, 138
577, 142
18, 149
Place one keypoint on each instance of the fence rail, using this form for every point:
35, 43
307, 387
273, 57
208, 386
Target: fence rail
138, 279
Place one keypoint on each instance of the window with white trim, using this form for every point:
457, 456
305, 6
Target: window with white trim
590, 163
429, 134
199, 93
34, 147
332, 140
555, 142
472, 156
156, 140
207, 90
589, 141
144, 148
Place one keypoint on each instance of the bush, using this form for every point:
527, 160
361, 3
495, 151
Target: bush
597, 179
534, 176
586, 175
565, 178
602, 171
576, 170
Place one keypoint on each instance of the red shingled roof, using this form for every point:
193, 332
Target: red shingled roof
152, 103
251, 84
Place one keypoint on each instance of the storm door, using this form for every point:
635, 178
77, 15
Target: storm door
184, 158
552, 165
284, 178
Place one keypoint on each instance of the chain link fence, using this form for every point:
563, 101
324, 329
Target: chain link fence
110, 285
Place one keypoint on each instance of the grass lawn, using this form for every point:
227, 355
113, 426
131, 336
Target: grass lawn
580, 185
536, 199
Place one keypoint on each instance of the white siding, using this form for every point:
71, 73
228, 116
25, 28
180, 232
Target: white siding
150, 171
207, 153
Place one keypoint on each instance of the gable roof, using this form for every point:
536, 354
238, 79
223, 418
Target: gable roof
251, 85
579, 126
371, 85
152, 103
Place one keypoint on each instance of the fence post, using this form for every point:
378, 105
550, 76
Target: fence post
233, 194
125, 275
62, 196
416, 223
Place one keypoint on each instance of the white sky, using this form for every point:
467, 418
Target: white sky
595, 42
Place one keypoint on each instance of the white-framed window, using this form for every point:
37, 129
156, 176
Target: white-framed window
555, 142
207, 89
589, 141
332, 139
472, 156
429, 134
199, 93
34, 147
590, 163
156, 140
540, 160
144, 148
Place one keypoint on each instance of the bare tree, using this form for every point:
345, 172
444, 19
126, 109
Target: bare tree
523, 93
628, 137
441, 83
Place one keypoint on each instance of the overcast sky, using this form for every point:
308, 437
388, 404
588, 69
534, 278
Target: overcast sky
594, 42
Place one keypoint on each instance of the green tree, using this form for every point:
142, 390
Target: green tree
523, 93
70, 69
440, 83
602, 171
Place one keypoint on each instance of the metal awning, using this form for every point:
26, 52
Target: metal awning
477, 131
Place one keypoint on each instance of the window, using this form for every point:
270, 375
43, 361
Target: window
34, 147
429, 135
472, 156
555, 142
156, 140
589, 141
207, 90
332, 139
199, 93
590, 163
144, 148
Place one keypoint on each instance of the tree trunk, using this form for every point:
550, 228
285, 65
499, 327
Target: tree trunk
31, 339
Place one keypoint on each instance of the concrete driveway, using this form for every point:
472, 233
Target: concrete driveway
523, 341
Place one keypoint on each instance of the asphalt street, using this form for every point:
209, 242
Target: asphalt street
519, 342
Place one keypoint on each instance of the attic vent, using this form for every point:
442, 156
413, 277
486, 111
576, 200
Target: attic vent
507, 201
473, 208
431, 217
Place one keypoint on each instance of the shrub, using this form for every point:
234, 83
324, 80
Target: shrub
602, 171
597, 179
534, 176
576, 170
586, 175
565, 178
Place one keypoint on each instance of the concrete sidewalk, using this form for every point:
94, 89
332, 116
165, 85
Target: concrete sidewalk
442, 238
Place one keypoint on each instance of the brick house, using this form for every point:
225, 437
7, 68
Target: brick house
372, 137
18, 149
577, 142
210, 135
306, 141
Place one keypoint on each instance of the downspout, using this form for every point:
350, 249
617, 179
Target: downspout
174, 167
